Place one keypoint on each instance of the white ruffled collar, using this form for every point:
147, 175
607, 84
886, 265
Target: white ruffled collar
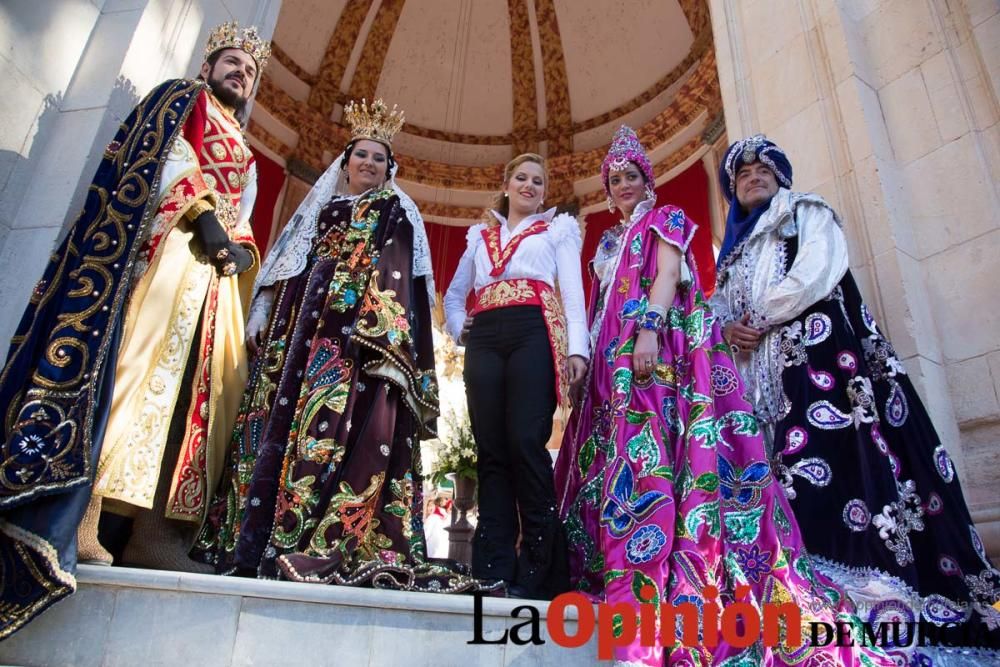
544, 215
641, 209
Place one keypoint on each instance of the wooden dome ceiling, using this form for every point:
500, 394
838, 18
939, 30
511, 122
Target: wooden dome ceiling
483, 80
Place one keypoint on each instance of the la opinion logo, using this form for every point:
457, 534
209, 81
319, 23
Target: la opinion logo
738, 624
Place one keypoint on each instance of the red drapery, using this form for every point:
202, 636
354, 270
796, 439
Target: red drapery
688, 190
447, 245
270, 179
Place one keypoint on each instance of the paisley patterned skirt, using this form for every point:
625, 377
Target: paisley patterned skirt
875, 491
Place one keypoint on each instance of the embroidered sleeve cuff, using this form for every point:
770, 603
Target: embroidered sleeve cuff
197, 208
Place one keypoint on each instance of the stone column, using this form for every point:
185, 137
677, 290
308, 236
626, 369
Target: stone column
74, 70
889, 110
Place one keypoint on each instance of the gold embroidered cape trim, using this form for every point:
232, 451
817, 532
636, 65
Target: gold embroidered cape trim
29, 549
132, 158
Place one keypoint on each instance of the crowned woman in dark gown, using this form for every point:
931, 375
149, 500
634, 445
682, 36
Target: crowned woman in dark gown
324, 481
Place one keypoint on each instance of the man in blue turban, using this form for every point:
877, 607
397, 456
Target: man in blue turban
875, 492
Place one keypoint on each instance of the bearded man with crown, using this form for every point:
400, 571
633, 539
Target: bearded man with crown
112, 392
324, 483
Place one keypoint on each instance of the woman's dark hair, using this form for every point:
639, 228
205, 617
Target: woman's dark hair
349, 151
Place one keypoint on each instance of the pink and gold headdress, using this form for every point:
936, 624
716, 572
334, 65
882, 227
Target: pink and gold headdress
625, 148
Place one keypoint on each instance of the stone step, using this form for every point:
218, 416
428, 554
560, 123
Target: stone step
132, 617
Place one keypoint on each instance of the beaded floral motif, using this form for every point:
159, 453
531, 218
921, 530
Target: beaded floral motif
724, 380
792, 345
856, 515
898, 519
753, 562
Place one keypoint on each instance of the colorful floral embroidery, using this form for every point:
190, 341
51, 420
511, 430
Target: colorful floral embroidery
724, 380
644, 544
381, 315
753, 562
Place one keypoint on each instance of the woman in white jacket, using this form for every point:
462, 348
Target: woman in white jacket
524, 347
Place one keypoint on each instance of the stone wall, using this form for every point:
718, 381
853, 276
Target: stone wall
72, 70
889, 110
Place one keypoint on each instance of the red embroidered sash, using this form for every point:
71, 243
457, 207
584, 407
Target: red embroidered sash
500, 257
527, 292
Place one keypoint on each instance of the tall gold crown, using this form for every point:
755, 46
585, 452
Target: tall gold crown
377, 122
227, 36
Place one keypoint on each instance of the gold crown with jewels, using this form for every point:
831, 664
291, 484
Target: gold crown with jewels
377, 122
228, 36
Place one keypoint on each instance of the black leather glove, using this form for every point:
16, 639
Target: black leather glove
214, 239
240, 257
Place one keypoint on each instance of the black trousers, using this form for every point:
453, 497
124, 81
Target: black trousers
510, 384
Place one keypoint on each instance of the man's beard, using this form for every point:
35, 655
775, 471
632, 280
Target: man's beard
227, 96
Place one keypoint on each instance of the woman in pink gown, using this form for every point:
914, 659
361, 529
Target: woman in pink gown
665, 484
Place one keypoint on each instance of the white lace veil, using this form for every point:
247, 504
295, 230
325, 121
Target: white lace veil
290, 253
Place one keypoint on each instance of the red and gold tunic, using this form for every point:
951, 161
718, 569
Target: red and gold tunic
181, 312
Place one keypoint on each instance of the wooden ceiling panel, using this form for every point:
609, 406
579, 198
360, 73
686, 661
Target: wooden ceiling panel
482, 80
377, 41
304, 29
615, 51
326, 93
445, 68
